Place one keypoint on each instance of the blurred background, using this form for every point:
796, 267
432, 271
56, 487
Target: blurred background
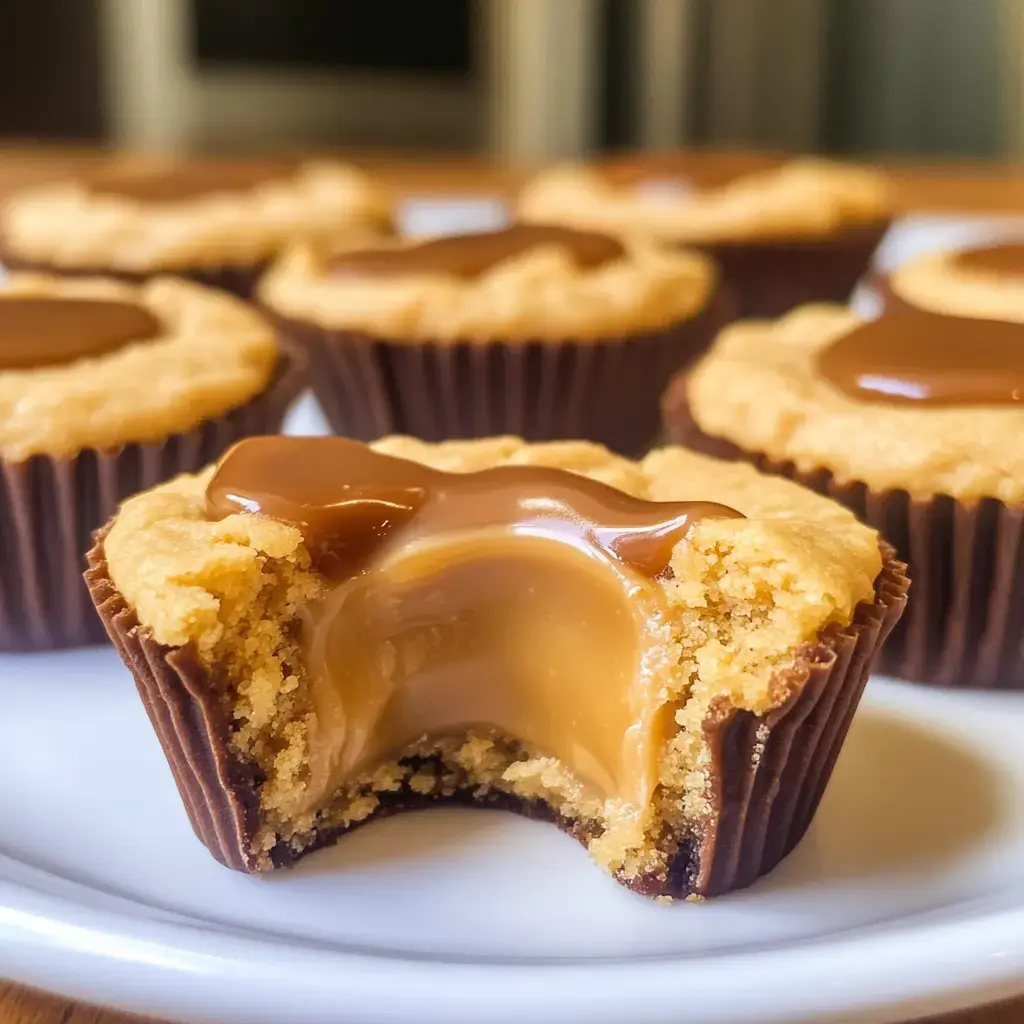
520, 79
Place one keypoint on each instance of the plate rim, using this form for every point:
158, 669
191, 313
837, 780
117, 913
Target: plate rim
877, 973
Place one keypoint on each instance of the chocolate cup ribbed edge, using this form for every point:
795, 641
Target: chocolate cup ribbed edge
769, 771
50, 506
240, 280
768, 278
603, 389
965, 616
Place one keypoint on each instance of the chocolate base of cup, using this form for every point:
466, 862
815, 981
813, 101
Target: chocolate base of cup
239, 280
768, 773
50, 506
603, 389
965, 618
769, 278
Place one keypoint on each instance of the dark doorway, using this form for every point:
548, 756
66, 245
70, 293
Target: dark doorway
50, 70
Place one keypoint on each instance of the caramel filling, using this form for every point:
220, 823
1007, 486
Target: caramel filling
40, 331
693, 171
522, 601
469, 256
930, 359
1001, 260
187, 181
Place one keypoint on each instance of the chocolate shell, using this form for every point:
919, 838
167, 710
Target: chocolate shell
600, 389
769, 278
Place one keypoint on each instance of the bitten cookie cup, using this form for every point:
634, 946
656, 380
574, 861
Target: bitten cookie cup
943, 483
752, 687
545, 333
784, 232
107, 389
218, 224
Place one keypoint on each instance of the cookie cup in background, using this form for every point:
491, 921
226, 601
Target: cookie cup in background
985, 282
784, 232
542, 332
217, 223
107, 389
914, 426
736, 666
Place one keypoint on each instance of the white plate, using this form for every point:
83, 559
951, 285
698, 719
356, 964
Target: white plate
905, 898
907, 895
420, 216
911, 236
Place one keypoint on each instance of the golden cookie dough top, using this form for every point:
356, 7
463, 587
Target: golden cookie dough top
985, 282
761, 387
176, 567
203, 214
161, 358
527, 281
708, 197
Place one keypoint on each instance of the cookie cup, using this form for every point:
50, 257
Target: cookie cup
218, 224
965, 553
761, 771
536, 348
783, 232
90, 434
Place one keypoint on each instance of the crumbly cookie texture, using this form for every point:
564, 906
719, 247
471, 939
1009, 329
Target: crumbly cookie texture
214, 353
541, 293
935, 282
744, 596
758, 387
800, 199
64, 225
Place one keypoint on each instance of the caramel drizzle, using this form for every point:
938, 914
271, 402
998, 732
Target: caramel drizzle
348, 500
469, 256
693, 170
37, 331
188, 180
1006, 260
921, 358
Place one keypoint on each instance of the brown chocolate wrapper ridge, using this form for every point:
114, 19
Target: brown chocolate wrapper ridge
964, 624
239, 280
603, 390
50, 507
769, 278
769, 772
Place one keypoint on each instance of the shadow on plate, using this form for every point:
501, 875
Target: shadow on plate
441, 833
903, 799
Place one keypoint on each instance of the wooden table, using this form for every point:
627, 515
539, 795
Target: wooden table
960, 188
23, 1006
